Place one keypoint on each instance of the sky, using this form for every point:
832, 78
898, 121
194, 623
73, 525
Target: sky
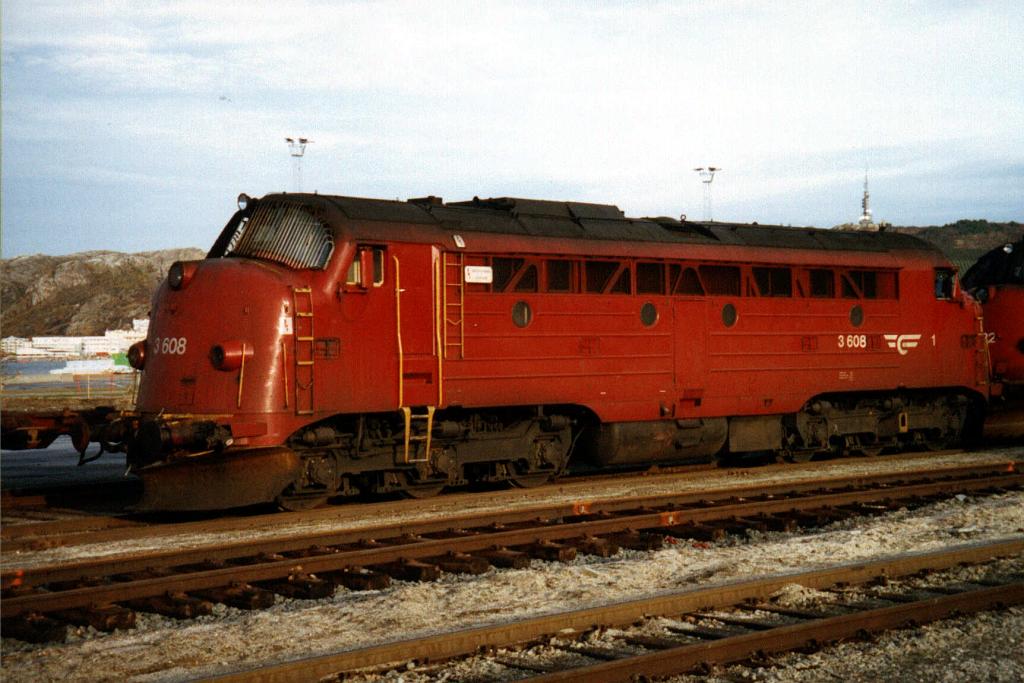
133, 126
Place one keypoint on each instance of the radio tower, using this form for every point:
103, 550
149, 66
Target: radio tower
297, 148
707, 174
866, 222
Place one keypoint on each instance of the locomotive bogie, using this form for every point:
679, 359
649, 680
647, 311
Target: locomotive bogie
366, 454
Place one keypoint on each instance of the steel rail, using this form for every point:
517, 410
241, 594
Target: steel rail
468, 641
71, 525
784, 638
525, 513
644, 512
20, 537
414, 546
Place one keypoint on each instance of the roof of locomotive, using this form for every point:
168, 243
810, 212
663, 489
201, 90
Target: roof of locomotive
605, 222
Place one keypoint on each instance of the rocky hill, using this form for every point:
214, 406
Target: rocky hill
965, 241
80, 294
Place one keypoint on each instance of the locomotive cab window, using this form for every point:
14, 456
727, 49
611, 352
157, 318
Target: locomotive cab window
374, 259
944, 283
280, 231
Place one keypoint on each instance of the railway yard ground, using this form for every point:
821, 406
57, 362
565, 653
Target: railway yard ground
988, 645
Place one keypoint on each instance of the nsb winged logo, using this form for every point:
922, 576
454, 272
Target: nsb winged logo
902, 342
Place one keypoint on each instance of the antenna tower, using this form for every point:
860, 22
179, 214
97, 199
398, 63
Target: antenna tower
866, 222
707, 174
297, 148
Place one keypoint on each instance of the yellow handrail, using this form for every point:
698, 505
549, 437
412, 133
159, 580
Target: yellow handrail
398, 334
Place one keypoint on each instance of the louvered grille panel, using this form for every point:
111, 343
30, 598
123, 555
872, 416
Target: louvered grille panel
285, 233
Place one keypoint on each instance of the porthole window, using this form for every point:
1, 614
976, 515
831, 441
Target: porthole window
521, 314
648, 314
729, 315
857, 316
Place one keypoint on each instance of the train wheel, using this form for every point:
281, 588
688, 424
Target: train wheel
420, 488
530, 481
301, 502
423, 490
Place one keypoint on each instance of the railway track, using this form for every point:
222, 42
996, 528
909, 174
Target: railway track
59, 516
80, 529
186, 582
679, 632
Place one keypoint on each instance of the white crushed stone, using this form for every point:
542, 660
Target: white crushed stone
983, 647
359, 517
162, 649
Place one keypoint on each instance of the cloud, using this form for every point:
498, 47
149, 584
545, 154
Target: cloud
603, 102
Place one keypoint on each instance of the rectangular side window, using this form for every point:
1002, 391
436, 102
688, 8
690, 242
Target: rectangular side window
378, 266
685, 281
598, 273
623, 283
774, 281
559, 276
823, 283
849, 289
504, 270
527, 281
650, 278
724, 280
355, 270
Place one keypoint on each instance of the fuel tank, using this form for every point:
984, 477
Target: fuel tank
637, 443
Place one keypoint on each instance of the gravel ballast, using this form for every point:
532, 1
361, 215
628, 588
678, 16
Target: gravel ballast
162, 649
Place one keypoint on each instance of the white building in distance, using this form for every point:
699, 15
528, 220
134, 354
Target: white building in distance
112, 341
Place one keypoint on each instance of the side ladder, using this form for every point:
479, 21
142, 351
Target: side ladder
302, 301
411, 438
454, 295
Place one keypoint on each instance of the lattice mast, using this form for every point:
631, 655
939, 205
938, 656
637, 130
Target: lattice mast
866, 221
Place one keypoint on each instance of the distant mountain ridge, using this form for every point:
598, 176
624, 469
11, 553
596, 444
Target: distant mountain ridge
81, 294
93, 291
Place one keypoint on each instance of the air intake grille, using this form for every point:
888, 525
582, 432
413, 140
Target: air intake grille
285, 233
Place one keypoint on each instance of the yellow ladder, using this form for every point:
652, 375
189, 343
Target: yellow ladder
454, 292
410, 438
302, 300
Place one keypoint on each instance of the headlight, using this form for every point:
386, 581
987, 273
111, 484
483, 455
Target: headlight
137, 355
243, 201
228, 355
180, 274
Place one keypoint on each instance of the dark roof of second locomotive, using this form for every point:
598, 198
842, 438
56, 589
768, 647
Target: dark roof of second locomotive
584, 221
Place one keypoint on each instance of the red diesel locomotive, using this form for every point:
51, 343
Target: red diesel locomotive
333, 345
997, 281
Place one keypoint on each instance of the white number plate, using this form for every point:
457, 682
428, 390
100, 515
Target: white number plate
852, 341
171, 346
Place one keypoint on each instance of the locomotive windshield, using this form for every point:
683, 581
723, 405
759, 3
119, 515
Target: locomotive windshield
284, 232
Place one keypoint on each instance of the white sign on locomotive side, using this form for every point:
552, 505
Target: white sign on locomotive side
479, 275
